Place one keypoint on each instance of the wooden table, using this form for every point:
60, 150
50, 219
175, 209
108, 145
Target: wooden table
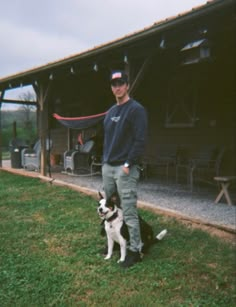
224, 182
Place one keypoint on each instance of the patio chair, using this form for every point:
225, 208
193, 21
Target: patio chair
31, 158
79, 159
202, 164
165, 158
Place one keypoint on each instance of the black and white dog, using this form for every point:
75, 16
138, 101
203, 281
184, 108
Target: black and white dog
116, 230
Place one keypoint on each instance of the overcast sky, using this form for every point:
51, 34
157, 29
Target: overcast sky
33, 33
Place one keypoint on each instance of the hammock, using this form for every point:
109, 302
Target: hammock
80, 123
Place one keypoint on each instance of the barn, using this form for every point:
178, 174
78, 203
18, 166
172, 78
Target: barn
182, 69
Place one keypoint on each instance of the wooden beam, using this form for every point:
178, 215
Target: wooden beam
139, 76
18, 101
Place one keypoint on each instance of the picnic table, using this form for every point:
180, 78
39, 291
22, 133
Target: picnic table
224, 182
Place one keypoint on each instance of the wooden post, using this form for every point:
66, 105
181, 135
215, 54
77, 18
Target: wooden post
68, 138
1, 97
14, 130
42, 93
0, 134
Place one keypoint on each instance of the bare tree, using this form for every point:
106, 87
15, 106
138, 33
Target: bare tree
27, 113
27, 108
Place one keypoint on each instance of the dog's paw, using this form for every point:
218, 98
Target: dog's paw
107, 257
120, 260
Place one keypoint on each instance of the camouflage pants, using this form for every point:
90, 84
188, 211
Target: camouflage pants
114, 179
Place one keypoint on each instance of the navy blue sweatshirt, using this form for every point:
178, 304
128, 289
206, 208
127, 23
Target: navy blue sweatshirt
125, 129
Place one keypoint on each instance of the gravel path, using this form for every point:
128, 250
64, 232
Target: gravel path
198, 205
168, 197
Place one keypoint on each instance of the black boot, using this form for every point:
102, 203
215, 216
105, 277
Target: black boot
130, 259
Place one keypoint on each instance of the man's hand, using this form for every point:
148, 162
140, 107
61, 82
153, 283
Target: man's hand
126, 170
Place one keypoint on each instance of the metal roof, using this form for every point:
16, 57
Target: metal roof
122, 41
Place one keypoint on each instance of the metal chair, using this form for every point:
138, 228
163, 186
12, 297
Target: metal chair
165, 158
79, 159
31, 158
96, 165
203, 164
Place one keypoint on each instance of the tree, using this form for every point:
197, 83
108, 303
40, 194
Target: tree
28, 110
27, 115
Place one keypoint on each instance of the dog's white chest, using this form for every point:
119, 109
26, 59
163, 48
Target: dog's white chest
113, 229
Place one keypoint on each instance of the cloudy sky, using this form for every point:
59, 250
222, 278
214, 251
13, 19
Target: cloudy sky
33, 33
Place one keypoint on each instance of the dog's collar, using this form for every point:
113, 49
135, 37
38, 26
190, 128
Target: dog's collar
113, 217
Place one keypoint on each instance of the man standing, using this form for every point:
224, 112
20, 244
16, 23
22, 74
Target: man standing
125, 128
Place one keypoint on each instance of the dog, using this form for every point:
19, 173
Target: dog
112, 220
116, 230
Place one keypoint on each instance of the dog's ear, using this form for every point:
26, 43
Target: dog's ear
116, 199
100, 195
110, 202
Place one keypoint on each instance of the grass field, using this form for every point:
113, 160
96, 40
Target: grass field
50, 256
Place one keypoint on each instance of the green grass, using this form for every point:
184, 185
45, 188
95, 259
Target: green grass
50, 256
